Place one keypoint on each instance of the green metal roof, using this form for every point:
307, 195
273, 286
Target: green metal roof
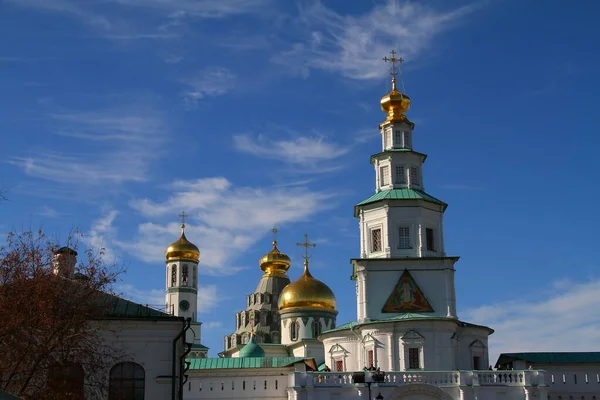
199, 346
550, 358
244, 362
402, 194
117, 307
403, 317
392, 150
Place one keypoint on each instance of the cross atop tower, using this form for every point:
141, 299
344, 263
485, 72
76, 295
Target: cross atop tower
306, 245
183, 217
274, 230
393, 71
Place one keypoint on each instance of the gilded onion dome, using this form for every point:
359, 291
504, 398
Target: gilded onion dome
307, 292
395, 104
182, 249
274, 262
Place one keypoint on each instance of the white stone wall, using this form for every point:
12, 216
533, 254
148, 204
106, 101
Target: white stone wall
149, 344
238, 384
443, 345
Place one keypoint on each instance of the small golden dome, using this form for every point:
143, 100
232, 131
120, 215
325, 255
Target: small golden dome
306, 292
274, 262
395, 104
182, 249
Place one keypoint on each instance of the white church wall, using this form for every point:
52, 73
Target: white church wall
237, 384
433, 276
149, 344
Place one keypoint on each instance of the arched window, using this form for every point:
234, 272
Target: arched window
66, 381
127, 380
173, 275
316, 328
294, 330
184, 275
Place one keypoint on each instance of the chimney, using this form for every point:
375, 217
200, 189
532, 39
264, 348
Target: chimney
64, 262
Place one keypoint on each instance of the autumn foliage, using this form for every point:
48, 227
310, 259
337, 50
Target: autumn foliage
51, 346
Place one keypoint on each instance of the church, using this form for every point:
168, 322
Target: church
407, 341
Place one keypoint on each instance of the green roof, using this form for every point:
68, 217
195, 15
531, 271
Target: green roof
403, 317
402, 194
252, 349
244, 362
117, 307
199, 346
550, 358
393, 150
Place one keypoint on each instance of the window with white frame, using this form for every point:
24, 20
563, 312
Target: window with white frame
387, 136
406, 140
316, 328
414, 176
478, 353
384, 175
339, 365
376, 243
400, 174
412, 345
398, 139
404, 241
429, 239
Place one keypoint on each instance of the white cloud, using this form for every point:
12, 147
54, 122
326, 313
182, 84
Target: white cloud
301, 150
198, 8
563, 318
354, 45
125, 140
49, 212
224, 220
209, 82
101, 235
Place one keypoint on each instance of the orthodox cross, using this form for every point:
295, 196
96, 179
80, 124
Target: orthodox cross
306, 245
393, 71
183, 216
274, 230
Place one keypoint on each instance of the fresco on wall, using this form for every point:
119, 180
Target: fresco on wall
406, 297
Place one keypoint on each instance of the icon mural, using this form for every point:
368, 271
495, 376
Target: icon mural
406, 297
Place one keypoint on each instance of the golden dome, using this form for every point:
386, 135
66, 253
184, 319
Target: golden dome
274, 262
395, 104
182, 249
306, 292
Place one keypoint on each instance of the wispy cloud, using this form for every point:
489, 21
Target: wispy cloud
49, 212
209, 82
101, 235
216, 207
354, 45
125, 141
299, 150
523, 325
197, 8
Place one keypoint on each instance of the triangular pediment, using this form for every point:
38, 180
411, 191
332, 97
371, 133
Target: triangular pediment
337, 348
406, 297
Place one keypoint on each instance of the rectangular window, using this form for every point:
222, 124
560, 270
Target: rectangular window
429, 239
413, 358
400, 174
407, 144
414, 176
384, 175
387, 135
404, 237
476, 363
371, 358
398, 139
339, 365
376, 244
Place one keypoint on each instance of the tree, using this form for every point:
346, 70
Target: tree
51, 308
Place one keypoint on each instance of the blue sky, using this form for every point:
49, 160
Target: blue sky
118, 114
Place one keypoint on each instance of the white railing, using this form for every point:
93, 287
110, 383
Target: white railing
435, 378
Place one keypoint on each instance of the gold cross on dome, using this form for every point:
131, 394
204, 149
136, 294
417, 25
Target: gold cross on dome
183, 217
274, 230
306, 245
393, 59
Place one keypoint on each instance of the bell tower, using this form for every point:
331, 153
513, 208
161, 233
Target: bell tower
181, 284
402, 256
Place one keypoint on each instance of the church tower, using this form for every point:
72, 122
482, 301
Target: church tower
182, 259
405, 296
401, 227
